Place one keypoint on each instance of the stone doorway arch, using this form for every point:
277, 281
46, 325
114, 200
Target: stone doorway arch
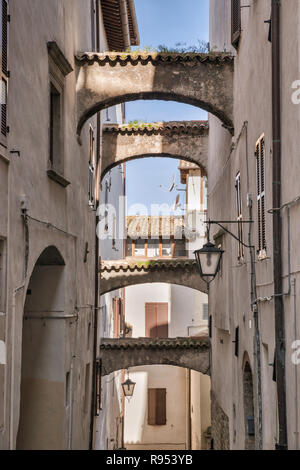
42, 409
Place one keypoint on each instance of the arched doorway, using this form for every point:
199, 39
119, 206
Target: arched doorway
42, 408
248, 407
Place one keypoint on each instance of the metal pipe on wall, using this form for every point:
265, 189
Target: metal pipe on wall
277, 228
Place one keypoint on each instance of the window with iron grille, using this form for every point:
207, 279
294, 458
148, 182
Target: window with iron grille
4, 18
239, 215
92, 164
261, 196
235, 22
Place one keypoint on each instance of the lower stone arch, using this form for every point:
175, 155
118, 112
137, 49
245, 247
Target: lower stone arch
118, 274
124, 353
185, 140
42, 383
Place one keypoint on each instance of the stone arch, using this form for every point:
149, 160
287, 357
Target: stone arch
248, 400
189, 353
41, 423
180, 140
123, 273
202, 80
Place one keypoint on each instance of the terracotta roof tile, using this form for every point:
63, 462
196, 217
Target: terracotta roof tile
134, 58
156, 226
160, 343
159, 128
145, 265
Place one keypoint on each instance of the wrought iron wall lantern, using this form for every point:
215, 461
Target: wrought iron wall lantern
209, 257
128, 387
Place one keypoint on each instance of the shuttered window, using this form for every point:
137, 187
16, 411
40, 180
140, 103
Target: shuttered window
239, 215
235, 22
157, 320
157, 406
261, 198
118, 317
4, 65
92, 164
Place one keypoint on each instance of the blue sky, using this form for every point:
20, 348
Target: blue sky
166, 22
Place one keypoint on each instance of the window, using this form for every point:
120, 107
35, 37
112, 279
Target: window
180, 249
92, 164
2, 275
67, 401
55, 129
4, 67
139, 248
59, 68
153, 249
235, 22
239, 216
157, 320
261, 201
128, 247
157, 406
205, 312
118, 313
166, 248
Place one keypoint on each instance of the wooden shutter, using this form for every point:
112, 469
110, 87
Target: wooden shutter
116, 313
4, 65
157, 320
235, 22
157, 406
162, 320
151, 323
261, 200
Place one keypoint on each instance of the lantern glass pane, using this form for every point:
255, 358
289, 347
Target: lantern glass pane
209, 263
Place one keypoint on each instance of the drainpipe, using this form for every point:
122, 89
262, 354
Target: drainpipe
96, 288
277, 230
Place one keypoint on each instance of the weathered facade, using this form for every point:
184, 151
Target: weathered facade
47, 225
181, 140
244, 298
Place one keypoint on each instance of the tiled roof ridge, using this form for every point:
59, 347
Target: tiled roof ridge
148, 265
201, 342
156, 58
180, 127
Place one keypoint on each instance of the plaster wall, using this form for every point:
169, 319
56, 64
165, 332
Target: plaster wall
230, 294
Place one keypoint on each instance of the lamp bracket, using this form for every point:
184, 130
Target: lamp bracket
220, 222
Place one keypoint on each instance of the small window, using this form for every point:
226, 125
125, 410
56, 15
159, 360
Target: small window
157, 406
153, 249
239, 216
166, 248
128, 247
205, 312
261, 197
67, 401
139, 248
180, 249
55, 129
235, 22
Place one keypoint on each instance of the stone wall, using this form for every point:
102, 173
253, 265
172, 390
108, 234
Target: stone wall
220, 425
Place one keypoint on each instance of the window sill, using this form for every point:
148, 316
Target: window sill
4, 153
262, 255
58, 178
